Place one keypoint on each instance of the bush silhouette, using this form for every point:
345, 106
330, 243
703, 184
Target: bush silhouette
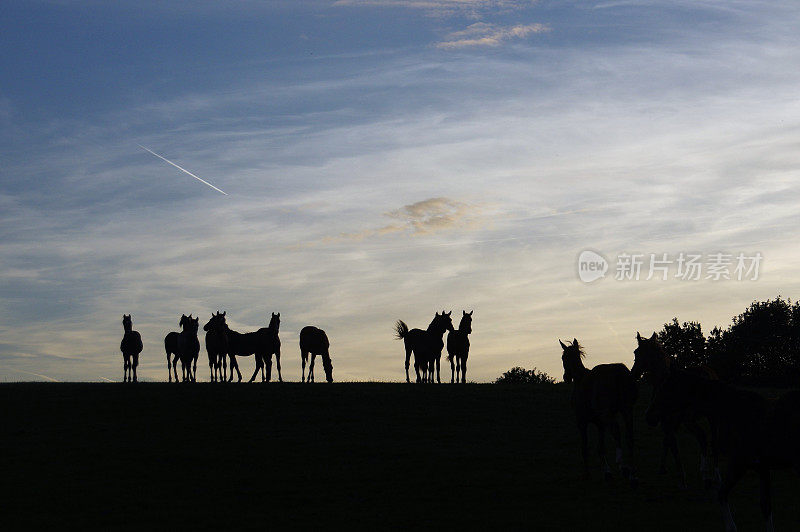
518, 375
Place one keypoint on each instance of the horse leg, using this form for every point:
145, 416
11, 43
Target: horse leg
464, 370
311, 367
438, 376
124, 368
169, 369
235, 365
735, 471
583, 428
259, 365
627, 419
766, 496
303, 358
408, 358
135, 365
601, 450
618, 458
671, 443
452, 369
700, 435
278, 363
175, 367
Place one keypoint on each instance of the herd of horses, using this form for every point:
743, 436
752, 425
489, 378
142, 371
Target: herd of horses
741, 424
224, 346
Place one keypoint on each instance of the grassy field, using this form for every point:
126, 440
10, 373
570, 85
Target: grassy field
116, 456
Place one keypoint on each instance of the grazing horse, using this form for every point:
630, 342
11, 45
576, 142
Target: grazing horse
458, 348
217, 347
188, 350
315, 341
130, 346
652, 362
751, 434
171, 346
599, 396
426, 345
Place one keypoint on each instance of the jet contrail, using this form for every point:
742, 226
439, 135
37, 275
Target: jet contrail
183, 170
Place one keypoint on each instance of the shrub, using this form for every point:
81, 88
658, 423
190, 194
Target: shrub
518, 375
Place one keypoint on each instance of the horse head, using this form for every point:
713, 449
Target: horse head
466, 322
648, 357
216, 322
443, 322
275, 321
127, 322
571, 360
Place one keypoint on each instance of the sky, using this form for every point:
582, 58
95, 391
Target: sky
385, 160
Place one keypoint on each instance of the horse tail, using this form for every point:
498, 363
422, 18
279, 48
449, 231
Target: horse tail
401, 329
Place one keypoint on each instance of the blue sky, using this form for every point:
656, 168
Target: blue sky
384, 160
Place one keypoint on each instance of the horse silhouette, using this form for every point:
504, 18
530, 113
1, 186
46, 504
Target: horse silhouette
426, 345
216, 347
261, 343
171, 346
753, 434
130, 346
600, 395
315, 342
271, 344
188, 350
458, 348
653, 363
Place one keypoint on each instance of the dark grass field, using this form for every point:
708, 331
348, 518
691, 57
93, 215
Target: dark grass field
362, 455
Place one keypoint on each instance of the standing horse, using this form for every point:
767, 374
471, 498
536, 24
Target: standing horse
188, 350
130, 346
599, 396
751, 434
259, 343
171, 346
652, 362
426, 345
458, 347
217, 347
271, 344
315, 341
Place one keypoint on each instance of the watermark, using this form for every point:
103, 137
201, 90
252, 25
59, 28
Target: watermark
718, 266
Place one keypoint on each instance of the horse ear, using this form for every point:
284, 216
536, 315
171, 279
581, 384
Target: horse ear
563, 345
278, 315
654, 337
574, 341
638, 337
449, 313
223, 312
463, 312
470, 312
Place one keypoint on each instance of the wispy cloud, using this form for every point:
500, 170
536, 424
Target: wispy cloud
485, 34
416, 219
469, 8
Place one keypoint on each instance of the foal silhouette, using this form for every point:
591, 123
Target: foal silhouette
217, 347
458, 348
188, 350
601, 394
315, 341
171, 346
426, 345
130, 346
